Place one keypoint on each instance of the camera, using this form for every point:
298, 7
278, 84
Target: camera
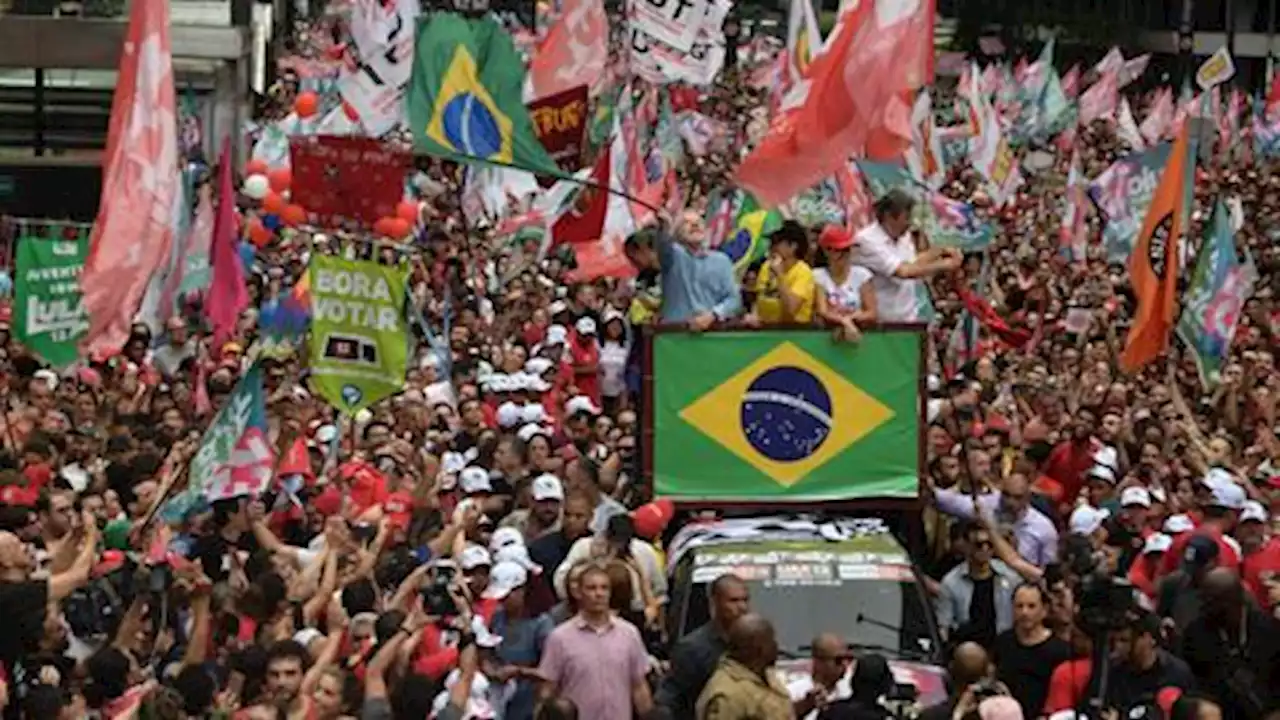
437, 601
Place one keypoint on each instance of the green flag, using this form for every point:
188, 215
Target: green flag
786, 415
49, 316
465, 96
359, 346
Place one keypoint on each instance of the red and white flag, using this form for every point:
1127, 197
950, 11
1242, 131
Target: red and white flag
574, 52
131, 237
857, 102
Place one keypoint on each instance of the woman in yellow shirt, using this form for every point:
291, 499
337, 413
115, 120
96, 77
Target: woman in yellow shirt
785, 289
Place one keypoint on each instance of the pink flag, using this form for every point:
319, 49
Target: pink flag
1099, 101
573, 53
1071, 82
227, 295
131, 237
1159, 117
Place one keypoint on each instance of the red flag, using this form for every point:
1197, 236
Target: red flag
584, 222
857, 99
130, 240
227, 294
573, 53
1273, 97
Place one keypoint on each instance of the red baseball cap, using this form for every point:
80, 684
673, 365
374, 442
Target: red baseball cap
651, 519
834, 237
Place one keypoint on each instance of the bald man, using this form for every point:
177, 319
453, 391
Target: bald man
744, 685
24, 601
1233, 648
828, 680
969, 664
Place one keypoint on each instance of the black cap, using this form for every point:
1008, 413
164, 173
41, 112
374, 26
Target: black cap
1200, 553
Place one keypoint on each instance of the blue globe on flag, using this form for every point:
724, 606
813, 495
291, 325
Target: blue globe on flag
470, 126
786, 414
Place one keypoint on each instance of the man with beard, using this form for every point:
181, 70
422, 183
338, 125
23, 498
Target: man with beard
550, 550
286, 667
1074, 456
546, 497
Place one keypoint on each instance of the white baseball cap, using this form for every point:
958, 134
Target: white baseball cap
538, 365
1086, 520
1104, 473
556, 335
580, 403
1135, 496
547, 487
518, 554
558, 307
1157, 543
503, 578
1253, 512
1178, 524
1230, 496
585, 326
503, 537
509, 414
474, 556
533, 412
474, 480
526, 432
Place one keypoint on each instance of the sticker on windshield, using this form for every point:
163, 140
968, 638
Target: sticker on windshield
895, 573
802, 574
749, 573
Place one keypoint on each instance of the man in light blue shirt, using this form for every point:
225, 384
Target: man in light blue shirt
698, 287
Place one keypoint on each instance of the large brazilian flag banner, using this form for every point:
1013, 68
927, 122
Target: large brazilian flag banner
786, 415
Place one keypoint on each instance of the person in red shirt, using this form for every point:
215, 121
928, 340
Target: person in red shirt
584, 354
1225, 501
1260, 567
1142, 573
1073, 457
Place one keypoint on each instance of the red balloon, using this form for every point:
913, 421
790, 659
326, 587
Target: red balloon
398, 228
350, 111
280, 179
383, 226
306, 104
293, 215
408, 211
273, 203
255, 167
259, 235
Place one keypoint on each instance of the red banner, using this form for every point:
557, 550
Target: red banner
560, 121
340, 180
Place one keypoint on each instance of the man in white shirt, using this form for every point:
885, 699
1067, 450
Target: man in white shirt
827, 682
888, 250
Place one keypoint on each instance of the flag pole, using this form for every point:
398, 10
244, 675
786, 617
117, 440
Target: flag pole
585, 183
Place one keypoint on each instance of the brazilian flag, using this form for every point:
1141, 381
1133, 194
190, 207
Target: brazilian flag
465, 96
786, 415
749, 239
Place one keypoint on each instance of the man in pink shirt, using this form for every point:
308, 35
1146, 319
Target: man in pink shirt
597, 659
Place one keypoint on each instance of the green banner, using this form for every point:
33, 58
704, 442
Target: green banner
359, 348
49, 316
786, 415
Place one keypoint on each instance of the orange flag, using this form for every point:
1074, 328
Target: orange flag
1153, 266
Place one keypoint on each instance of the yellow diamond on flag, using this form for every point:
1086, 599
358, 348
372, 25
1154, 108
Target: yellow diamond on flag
786, 414
465, 118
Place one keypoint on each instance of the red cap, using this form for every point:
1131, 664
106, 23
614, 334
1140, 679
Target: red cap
834, 237
1166, 697
368, 486
328, 502
650, 520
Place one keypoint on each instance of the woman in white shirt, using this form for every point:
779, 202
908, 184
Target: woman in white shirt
615, 350
845, 294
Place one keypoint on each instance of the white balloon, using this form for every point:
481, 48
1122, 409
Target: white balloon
257, 186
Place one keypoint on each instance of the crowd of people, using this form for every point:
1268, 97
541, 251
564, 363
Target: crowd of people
484, 544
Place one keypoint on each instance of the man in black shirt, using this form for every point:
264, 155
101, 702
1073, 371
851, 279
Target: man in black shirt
1141, 668
1026, 654
1234, 649
550, 550
231, 532
697, 654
